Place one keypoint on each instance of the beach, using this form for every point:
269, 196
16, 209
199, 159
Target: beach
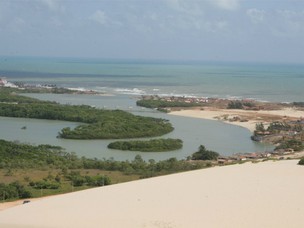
252, 117
265, 194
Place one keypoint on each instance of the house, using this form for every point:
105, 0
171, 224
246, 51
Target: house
3, 81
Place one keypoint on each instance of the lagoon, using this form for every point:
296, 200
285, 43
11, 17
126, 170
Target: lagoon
221, 137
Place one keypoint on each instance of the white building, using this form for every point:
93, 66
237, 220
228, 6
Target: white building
5, 83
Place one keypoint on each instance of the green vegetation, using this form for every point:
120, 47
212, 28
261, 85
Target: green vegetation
78, 180
299, 104
13, 190
118, 124
301, 162
151, 103
32, 89
44, 170
286, 135
99, 124
153, 145
204, 154
259, 127
15, 155
294, 144
277, 126
240, 105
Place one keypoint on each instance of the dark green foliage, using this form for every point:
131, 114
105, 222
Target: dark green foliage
248, 104
97, 180
235, 105
204, 154
260, 127
151, 103
45, 184
118, 124
78, 180
294, 144
26, 89
16, 155
299, 104
240, 105
13, 191
153, 145
278, 126
100, 124
8, 96
301, 162
259, 130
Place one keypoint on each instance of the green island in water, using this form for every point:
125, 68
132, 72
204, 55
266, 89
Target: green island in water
153, 145
96, 123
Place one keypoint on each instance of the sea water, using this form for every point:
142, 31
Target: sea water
267, 82
124, 81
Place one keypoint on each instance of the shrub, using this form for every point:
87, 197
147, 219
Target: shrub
204, 154
301, 162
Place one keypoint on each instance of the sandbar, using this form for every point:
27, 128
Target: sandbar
252, 117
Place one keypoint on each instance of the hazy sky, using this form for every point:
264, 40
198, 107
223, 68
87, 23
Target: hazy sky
225, 30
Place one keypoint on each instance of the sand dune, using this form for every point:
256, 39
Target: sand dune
268, 194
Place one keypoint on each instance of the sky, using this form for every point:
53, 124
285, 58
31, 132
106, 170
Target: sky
207, 30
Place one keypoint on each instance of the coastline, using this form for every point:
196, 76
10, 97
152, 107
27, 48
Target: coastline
252, 117
264, 194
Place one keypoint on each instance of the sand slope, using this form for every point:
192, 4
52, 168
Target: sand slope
268, 194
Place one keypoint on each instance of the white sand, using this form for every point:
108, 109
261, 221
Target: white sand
268, 194
211, 114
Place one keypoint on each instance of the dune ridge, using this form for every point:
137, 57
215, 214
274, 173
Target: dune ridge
265, 194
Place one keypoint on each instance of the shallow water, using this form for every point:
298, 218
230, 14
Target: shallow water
221, 137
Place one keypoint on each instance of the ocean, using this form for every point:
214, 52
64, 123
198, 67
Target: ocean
266, 82
124, 81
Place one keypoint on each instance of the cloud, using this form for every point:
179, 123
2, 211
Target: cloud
99, 17
52, 5
290, 14
289, 23
256, 16
226, 4
17, 25
185, 6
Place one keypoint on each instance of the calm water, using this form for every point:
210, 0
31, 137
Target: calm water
224, 138
124, 81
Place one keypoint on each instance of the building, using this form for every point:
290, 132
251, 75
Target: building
3, 81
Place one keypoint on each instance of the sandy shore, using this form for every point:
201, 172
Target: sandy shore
253, 117
268, 194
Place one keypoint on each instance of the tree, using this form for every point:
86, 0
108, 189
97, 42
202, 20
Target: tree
235, 105
260, 127
204, 154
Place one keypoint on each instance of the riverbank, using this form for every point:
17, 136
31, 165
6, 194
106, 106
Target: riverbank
265, 194
244, 118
